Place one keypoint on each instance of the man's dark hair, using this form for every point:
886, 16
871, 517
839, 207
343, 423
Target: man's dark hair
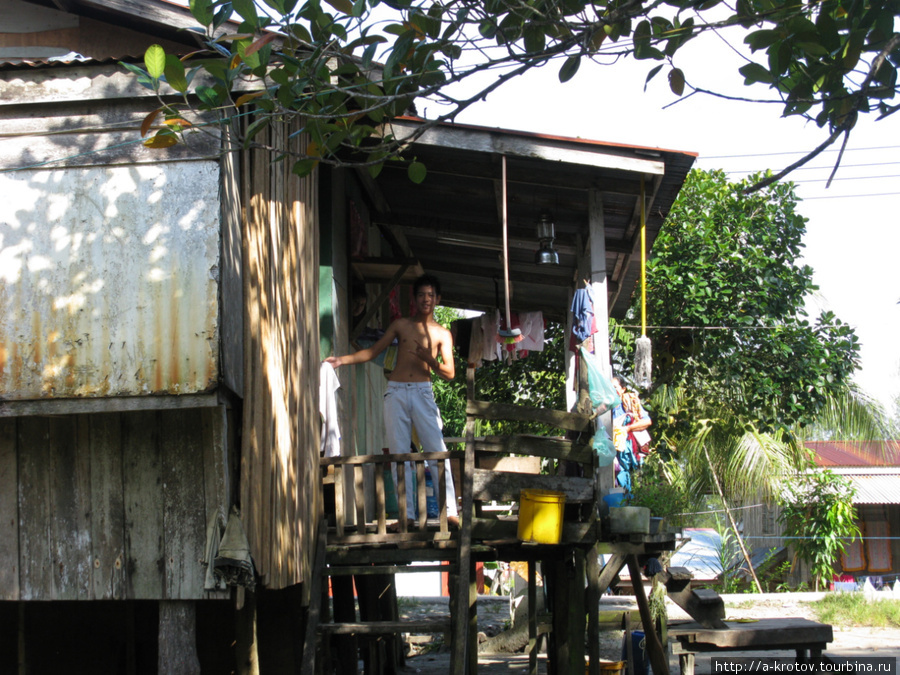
427, 280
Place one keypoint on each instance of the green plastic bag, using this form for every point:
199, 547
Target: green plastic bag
600, 388
604, 447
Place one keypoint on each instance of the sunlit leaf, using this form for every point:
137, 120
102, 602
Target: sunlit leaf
416, 172
178, 122
162, 139
149, 121
155, 61
246, 98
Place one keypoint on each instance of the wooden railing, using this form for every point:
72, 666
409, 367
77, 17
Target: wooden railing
349, 471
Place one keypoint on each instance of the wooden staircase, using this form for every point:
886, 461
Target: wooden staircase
354, 547
703, 605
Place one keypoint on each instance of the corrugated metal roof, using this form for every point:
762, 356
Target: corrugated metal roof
855, 453
876, 489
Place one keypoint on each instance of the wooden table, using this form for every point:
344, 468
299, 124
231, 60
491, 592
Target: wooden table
807, 638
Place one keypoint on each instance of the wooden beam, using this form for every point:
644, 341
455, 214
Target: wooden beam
504, 486
536, 446
104, 405
551, 150
517, 413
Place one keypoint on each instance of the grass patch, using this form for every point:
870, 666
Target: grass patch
852, 609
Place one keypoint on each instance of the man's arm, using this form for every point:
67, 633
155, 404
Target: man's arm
640, 424
367, 354
447, 369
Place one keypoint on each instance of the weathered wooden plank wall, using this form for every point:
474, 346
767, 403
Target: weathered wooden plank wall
280, 443
110, 506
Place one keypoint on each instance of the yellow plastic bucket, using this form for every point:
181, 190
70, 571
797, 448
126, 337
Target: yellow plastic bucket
607, 668
541, 516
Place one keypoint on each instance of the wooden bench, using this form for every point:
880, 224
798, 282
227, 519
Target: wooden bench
808, 639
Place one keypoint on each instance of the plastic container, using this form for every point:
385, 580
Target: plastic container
614, 499
431, 504
607, 668
541, 516
639, 652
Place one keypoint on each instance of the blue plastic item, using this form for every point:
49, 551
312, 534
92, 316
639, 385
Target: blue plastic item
614, 499
639, 653
431, 504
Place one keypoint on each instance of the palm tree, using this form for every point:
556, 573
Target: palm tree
721, 454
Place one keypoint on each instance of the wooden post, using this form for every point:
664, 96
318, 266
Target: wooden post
658, 660
576, 609
178, 638
592, 569
246, 647
532, 618
464, 604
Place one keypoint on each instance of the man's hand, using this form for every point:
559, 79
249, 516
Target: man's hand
424, 353
335, 361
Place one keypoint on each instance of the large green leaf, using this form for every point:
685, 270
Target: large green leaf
202, 11
569, 68
175, 75
155, 61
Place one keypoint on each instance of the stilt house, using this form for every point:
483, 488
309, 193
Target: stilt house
163, 317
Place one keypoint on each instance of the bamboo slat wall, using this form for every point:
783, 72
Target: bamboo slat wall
280, 444
110, 506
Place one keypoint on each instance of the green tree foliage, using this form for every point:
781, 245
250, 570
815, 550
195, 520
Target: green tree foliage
737, 364
727, 293
537, 380
345, 66
819, 519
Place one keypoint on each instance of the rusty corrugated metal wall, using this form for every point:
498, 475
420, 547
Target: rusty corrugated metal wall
280, 447
109, 280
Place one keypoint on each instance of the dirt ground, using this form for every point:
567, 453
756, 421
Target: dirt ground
493, 613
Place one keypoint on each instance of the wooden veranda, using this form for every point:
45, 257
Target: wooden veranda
372, 554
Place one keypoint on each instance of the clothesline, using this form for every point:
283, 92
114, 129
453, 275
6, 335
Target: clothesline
628, 325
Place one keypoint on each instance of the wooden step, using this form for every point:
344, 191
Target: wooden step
386, 627
703, 605
676, 579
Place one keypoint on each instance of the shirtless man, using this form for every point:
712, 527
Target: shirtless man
409, 399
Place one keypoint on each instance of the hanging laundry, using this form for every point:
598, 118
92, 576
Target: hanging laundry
490, 326
331, 430
476, 344
532, 326
583, 325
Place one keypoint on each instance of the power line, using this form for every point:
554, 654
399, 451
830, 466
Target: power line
880, 194
818, 168
798, 152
